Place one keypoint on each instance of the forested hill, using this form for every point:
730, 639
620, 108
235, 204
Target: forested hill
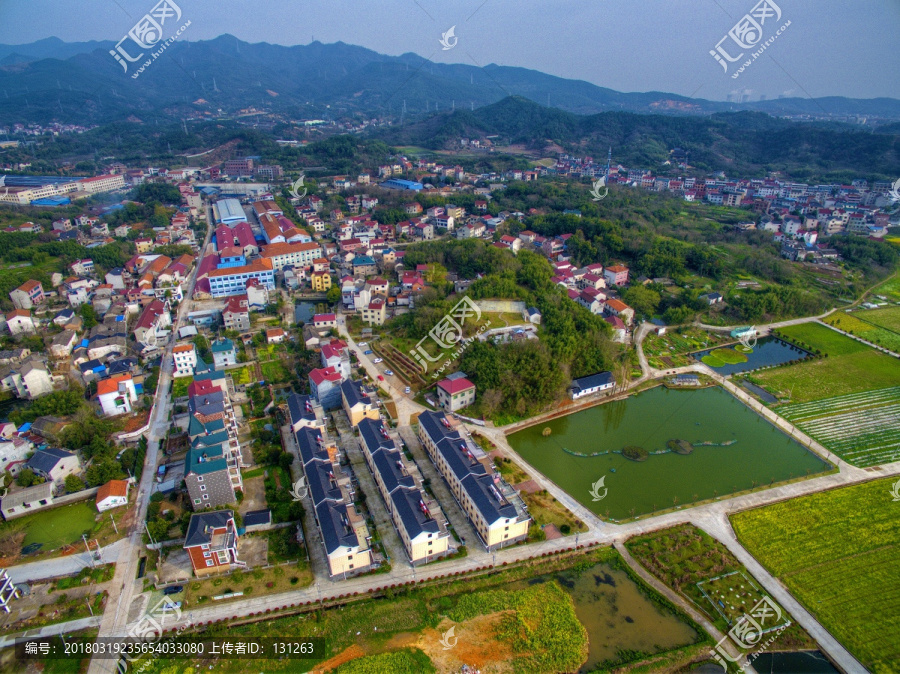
741, 144
81, 83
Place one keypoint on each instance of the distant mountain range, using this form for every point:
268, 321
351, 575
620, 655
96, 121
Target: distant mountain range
51, 80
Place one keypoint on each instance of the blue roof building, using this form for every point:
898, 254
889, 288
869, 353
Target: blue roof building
400, 184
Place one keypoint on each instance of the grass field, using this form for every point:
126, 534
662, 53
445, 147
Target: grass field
838, 552
889, 290
821, 338
851, 367
503, 623
180, 386
275, 372
874, 326
55, 527
700, 568
862, 428
888, 317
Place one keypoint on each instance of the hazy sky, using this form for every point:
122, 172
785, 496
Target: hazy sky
832, 47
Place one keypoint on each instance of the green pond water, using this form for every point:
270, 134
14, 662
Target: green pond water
755, 451
51, 529
617, 615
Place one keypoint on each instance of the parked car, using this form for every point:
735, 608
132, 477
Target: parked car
377, 360
367, 352
364, 344
389, 373
407, 390
174, 589
380, 378
174, 605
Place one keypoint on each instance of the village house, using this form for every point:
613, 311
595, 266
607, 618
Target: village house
211, 542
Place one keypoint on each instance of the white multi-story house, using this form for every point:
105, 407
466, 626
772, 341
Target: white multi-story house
116, 394
30, 379
185, 360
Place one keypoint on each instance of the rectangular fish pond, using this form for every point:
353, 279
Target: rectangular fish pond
687, 446
768, 351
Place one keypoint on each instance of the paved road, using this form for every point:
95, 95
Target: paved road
62, 566
51, 630
124, 586
769, 326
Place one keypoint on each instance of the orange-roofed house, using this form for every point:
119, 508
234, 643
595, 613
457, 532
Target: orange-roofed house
158, 265
116, 395
275, 336
616, 275
620, 309
27, 295
112, 495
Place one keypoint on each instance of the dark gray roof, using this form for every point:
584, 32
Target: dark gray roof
256, 517
408, 504
388, 463
450, 444
371, 433
319, 475
38, 492
121, 366
197, 528
91, 365
472, 475
593, 380
484, 494
308, 442
353, 393
335, 526
298, 410
209, 404
45, 460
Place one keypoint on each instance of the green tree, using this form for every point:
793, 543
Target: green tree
642, 299
26, 478
74, 483
333, 296
89, 315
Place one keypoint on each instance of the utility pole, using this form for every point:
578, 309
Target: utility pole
88, 548
114, 523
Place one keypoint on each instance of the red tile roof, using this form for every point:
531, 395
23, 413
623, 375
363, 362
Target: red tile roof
112, 488
322, 374
452, 386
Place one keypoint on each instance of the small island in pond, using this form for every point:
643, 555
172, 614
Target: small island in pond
634, 453
680, 446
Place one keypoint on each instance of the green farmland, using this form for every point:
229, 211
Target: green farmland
838, 552
850, 367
